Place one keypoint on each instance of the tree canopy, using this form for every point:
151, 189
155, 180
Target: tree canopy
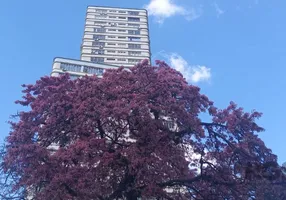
134, 134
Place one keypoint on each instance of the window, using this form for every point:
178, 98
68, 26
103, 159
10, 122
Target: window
169, 124
121, 24
110, 51
100, 10
134, 25
111, 36
133, 12
93, 70
70, 67
99, 30
121, 52
134, 38
134, 46
121, 44
121, 17
120, 37
134, 53
133, 60
97, 51
134, 19
110, 58
98, 44
111, 44
120, 11
111, 29
112, 17
101, 17
121, 59
98, 37
133, 32
112, 24
99, 23
112, 11
97, 60
121, 30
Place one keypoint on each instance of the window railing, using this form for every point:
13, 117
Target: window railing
134, 32
97, 51
133, 60
99, 30
101, 10
134, 53
97, 60
98, 44
133, 12
134, 46
133, 19
134, 25
136, 39
98, 37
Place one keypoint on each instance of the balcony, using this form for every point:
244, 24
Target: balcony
78, 67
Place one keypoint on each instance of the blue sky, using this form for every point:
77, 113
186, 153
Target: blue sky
233, 50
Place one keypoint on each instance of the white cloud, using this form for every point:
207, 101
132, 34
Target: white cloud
218, 10
162, 9
192, 73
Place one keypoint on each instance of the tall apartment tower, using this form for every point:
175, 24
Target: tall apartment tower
112, 37
115, 36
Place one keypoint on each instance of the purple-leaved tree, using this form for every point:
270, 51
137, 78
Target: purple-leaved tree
134, 134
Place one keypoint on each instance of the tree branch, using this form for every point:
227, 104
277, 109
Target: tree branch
101, 131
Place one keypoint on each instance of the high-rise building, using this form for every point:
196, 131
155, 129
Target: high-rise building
112, 37
115, 36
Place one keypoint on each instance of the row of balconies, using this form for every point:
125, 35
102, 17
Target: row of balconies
103, 23
103, 10
117, 16
110, 44
111, 37
110, 19
122, 27
77, 67
115, 53
115, 31
81, 68
113, 60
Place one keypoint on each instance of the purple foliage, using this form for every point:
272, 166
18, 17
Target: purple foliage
107, 138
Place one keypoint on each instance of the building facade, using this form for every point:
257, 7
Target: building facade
112, 37
115, 36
